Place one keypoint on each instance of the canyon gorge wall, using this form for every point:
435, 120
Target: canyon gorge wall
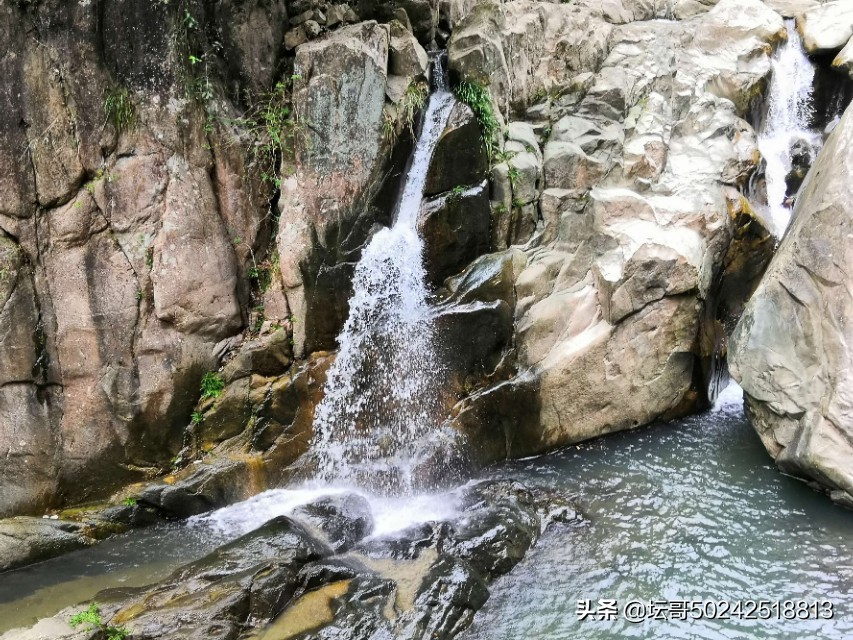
188, 186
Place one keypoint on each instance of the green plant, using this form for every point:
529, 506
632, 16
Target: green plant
129, 502
91, 617
212, 385
514, 175
197, 417
261, 274
119, 109
272, 130
456, 192
480, 100
412, 102
389, 129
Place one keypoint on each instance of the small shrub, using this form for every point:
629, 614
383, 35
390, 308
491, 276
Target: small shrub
389, 129
91, 617
513, 176
480, 100
197, 417
129, 502
456, 193
412, 102
212, 385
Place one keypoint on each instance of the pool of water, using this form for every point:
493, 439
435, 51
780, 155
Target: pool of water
689, 511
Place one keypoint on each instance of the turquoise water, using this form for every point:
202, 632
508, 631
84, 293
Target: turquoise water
693, 510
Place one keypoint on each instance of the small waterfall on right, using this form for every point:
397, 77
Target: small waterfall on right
786, 132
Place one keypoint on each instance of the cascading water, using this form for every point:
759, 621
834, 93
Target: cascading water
382, 393
787, 124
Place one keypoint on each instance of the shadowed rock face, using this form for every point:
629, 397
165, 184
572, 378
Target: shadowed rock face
790, 350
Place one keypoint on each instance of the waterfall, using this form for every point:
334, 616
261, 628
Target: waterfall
381, 399
787, 125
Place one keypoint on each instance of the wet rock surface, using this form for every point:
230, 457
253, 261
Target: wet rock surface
284, 581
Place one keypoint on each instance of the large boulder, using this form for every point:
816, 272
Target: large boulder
791, 349
339, 96
827, 27
638, 249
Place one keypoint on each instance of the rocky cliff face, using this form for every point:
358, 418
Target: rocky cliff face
189, 185
790, 351
143, 146
120, 213
621, 175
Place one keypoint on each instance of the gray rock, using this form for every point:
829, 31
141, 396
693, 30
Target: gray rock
343, 519
312, 29
407, 57
790, 349
26, 540
460, 158
844, 60
295, 37
455, 229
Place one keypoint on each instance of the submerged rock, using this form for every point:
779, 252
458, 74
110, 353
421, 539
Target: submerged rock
343, 519
790, 351
247, 581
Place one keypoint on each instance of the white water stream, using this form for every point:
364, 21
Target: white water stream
381, 400
787, 123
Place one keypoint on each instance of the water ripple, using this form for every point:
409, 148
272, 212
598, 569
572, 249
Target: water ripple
693, 510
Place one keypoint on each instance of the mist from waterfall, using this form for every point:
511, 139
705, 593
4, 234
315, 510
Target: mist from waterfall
381, 401
787, 123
